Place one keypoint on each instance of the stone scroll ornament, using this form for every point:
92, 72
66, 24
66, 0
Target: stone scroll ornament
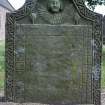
53, 53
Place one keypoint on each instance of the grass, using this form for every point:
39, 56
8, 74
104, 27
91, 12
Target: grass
2, 67
2, 80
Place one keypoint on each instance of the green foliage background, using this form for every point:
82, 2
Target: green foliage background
92, 3
2, 65
95, 2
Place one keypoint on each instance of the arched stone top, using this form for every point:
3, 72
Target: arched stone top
79, 5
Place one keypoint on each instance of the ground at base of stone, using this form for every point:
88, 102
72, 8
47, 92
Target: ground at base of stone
6, 103
32, 104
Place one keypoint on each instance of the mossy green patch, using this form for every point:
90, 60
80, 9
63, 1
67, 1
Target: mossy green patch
2, 77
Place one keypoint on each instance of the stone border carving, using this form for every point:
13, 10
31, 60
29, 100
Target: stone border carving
97, 47
96, 20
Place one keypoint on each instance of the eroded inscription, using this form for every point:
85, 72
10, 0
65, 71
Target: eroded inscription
53, 63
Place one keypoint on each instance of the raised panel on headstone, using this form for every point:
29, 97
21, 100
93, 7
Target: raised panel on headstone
53, 53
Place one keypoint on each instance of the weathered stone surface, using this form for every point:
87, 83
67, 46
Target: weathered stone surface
54, 66
32, 104
53, 50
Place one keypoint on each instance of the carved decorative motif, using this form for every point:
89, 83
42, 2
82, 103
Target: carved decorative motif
48, 17
25, 11
97, 47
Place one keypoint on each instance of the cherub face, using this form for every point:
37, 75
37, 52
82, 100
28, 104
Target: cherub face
54, 5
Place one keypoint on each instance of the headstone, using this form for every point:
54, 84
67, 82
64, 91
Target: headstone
53, 53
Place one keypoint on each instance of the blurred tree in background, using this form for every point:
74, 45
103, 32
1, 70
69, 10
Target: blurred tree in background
92, 3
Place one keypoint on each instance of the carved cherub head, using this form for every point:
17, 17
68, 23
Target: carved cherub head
55, 6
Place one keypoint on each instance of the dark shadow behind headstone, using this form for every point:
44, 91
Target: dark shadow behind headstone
53, 53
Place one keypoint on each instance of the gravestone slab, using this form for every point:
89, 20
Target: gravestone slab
53, 53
